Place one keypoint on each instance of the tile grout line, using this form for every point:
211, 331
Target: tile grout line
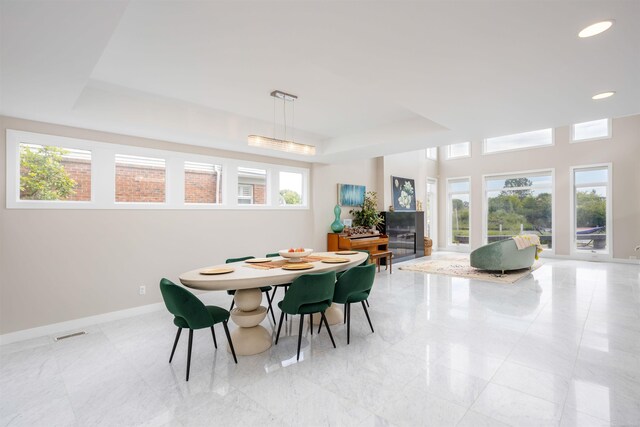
502, 363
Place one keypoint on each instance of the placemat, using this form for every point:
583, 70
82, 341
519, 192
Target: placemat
279, 263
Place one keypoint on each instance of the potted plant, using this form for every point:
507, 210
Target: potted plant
368, 215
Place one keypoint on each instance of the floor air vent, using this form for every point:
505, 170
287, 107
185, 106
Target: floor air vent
64, 337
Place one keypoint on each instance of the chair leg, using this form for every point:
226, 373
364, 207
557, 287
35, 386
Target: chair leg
367, 313
319, 326
367, 301
189, 352
300, 335
311, 323
273, 316
324, 319
213, 334
345, 313
175, 343
233, 302
279, 326
348, 322
226, 331
273, 294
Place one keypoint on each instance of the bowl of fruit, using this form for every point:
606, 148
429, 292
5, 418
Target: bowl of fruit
295, 254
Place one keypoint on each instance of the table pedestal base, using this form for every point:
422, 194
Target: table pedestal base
250, 341
250, 338
334, 315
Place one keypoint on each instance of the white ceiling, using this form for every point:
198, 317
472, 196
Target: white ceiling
373, 78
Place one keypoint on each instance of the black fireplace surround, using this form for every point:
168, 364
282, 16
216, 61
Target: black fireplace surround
406, 233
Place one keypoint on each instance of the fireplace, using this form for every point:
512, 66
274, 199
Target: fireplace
406, 234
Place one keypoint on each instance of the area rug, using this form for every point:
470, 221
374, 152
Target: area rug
460, 267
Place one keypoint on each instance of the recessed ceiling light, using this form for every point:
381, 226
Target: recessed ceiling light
603, 95
594, 29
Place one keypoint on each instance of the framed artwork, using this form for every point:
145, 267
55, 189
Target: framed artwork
403, 191
351, 195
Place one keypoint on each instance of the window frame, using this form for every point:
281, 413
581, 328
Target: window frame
305, 187
115, 178
509, 150
200, 205
240, 196
434, 216
435, 150
520, 174
13, 141
103, 178
593, 254
462, 247
609, 135
458, 157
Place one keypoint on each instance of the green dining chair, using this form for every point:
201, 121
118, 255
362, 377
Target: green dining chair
308, 294
352, 287
191, 313
265, 289
363, 263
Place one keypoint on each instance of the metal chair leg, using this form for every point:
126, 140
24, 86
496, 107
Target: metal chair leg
175, 343
279, 326
367, 301
311, 324
189, 352
226, 331
233, 301
367, 313
273, 316
213, 334
300, 335
348, 322
324, 318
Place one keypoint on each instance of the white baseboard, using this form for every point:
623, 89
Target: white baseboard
574, 258
83, 322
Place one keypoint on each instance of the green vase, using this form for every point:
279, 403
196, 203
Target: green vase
336, 225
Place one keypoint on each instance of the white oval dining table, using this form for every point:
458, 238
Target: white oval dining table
251, 337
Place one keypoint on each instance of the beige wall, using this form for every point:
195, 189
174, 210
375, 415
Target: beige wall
622, 150
58, 265
325, 191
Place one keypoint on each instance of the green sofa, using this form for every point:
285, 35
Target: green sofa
503, 255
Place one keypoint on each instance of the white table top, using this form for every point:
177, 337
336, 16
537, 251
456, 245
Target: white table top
245, 277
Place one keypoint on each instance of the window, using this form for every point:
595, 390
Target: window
591, 209
245, 194
432, 153
519, 204
290, 191
202, 183
431, 211
140, 179
252, 186
519, 141
462, 149
54, 173
587, 131
459, 205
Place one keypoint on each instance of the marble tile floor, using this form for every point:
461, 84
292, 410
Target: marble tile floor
559, 348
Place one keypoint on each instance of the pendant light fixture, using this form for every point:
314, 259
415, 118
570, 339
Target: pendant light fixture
283, 144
